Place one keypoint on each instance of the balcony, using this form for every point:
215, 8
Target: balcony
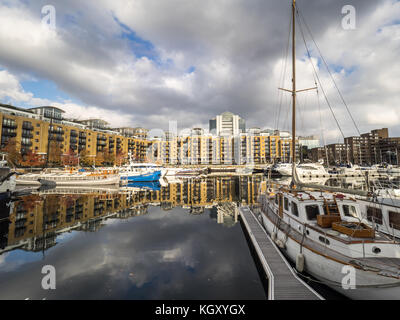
27, 126
27, 135
82, 135
74, 134
26, 143
101, 143
9, 133
73, 141
56, 130
8, 124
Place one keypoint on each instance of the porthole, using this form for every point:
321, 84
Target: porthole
376, 250
324, 240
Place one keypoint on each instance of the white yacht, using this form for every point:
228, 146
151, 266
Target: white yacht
324, 233
303, 169
145, 168
70, 178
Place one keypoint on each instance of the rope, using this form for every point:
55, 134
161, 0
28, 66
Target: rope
330, 74
319, 81
283, 77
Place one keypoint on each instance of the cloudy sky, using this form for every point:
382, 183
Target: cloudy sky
148, 62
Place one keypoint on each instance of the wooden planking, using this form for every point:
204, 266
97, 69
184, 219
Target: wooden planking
283, 283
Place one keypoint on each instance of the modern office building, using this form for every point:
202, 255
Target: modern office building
227, 124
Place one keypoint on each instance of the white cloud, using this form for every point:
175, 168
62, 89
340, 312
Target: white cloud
10, 88
235, 47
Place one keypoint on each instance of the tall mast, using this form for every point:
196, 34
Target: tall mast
294, 90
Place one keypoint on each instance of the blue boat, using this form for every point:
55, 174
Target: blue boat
147, 177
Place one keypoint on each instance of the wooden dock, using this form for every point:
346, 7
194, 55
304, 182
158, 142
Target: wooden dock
283, 282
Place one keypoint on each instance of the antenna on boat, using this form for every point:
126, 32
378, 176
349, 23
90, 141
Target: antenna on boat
294, 92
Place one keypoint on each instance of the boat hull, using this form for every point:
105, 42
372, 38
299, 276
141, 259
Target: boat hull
332, 273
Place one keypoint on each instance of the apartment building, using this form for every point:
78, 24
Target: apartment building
368, 148
44, 131
197, 148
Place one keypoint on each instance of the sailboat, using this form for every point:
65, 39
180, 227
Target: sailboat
323, 231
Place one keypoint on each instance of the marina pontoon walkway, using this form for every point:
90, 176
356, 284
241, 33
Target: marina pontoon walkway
283, 283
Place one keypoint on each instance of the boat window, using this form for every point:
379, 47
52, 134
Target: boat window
324, 240
295, 210
374, 214
286, 204
312, 211
394, 220
350, 211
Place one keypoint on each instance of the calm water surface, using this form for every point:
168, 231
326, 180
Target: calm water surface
180, 242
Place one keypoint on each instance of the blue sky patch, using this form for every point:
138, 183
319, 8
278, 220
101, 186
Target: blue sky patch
191, 69
139, 46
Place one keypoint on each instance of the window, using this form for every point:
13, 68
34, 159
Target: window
295, 210
374, 214
350, 211
312, 211
394, 220
286, 204
276, 199
324, 240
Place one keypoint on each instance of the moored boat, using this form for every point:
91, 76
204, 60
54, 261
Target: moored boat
70, 178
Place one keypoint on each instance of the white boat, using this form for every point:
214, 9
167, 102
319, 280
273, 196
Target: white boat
311, 169
70, 178
393, 170
303, 169
144, 168
139, 168
354, 169
321, 230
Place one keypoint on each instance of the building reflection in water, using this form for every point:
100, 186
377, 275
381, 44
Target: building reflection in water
33, 222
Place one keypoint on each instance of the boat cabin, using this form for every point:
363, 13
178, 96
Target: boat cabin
324, 211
